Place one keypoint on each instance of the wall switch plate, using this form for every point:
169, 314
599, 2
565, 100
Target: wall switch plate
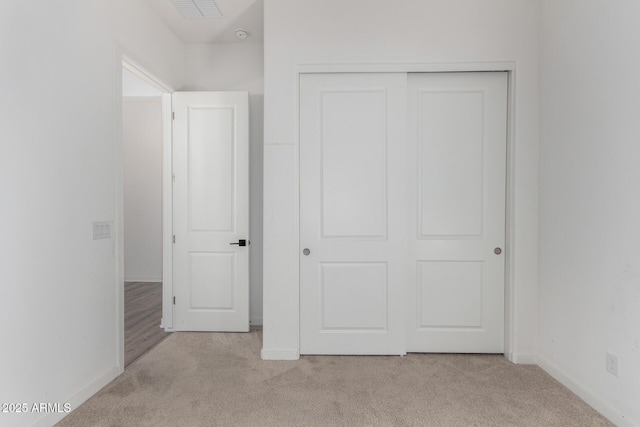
612, 364
101, 230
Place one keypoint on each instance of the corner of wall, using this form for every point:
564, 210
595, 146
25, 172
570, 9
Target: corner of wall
523, 358
280, 354
82, 396
586, 394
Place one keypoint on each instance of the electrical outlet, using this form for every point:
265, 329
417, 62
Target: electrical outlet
612, 364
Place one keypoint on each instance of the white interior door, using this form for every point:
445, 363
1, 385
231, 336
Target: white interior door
211, 211
457, 146
402, 192
352, 234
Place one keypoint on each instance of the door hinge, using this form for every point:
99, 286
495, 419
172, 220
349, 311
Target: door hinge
174, 238
173, 177
174, 300
173, 115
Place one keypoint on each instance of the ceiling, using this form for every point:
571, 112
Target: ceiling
243, 14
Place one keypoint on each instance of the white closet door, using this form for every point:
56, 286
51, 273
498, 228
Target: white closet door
457, 151
352, 213
211, 211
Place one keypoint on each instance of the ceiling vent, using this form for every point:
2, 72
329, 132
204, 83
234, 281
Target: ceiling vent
198, 9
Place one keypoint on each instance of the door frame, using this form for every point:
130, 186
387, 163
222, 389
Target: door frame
510, 236
125, 60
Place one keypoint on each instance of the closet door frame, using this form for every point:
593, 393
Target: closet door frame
510, 68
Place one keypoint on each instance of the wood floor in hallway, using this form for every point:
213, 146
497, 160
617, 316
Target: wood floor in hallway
142, 316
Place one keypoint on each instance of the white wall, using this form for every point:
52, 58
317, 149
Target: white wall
365, 31
228, 67
142, 140
58, 127
590, 200
133, 85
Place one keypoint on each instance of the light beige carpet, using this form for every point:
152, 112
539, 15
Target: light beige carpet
203, 379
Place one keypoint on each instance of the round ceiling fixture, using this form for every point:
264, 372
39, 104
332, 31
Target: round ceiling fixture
241, 34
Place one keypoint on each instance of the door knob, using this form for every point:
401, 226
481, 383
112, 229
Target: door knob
306, 251
497, 251
242, 242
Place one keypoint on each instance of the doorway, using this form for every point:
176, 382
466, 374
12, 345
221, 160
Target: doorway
144, 116
173, 224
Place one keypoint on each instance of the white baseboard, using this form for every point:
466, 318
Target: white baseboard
144, 279
81, 397
524, 358
595, 401
280, 354
256, 320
